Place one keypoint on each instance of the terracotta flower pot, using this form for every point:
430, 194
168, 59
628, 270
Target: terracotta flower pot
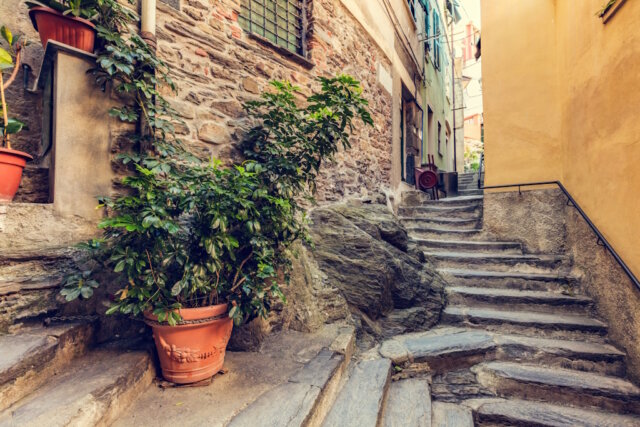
190, 353
12, 162
72, 31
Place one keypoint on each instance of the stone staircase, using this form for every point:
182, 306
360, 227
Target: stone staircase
55, 375
517, 345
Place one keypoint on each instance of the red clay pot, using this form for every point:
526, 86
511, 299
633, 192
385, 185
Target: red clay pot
193, 352
12, 162
72, 31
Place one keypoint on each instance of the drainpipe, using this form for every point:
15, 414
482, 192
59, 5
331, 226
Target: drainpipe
148, 34
453, 94
148, 22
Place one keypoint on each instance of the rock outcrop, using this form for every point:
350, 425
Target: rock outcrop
362, 249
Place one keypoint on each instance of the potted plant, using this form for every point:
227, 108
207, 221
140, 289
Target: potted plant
65, 21
196, 245
12, 162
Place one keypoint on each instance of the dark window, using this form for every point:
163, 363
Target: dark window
279, 21
439, 138
412, 7
437, 40
427, 25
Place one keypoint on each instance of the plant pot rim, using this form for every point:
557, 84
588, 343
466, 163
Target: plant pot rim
16, 153
196, 313
35, 9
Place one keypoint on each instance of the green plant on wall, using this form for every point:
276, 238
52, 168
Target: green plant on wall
10, 54
191, 233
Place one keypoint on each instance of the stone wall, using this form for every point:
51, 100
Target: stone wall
534, 218
217, 66
544, 223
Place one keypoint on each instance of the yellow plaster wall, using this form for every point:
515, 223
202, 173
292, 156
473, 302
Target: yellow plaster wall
520, 91
562, 99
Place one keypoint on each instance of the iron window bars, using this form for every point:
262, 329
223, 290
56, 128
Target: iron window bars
279, 21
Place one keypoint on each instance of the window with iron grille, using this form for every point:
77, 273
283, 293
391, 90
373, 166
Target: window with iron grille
279, 21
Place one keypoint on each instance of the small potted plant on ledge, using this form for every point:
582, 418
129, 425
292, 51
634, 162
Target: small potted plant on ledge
12, 162
66, 21
197, 246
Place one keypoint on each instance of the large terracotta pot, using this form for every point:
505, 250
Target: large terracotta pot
12, 162
190, 353
72, 31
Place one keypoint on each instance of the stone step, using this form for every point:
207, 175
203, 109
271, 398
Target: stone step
360, 401
517, 299
408, 404
497, 262
470, 246
22, 225
450, 415
443, 233
508, 279
504, 319
29, 282
454, 223
469, 192
419, 198
303, 398
97, 388
560, 386
540, 414
434, 212
31, 356
447, 348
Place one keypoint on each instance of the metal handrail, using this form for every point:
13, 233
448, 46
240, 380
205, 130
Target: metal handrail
480, 170
601, 239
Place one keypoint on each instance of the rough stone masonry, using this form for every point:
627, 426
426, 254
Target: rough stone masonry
218, 66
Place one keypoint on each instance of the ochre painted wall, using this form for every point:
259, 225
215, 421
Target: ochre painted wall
562, 98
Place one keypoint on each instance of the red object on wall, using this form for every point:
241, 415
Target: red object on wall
52, 25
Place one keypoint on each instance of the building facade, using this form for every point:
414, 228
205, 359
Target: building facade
562, 105
224, 52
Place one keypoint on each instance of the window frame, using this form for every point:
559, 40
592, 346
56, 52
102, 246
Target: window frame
439, 139
259, 30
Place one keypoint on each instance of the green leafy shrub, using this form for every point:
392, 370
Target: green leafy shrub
192, 234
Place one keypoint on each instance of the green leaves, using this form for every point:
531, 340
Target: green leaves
13, 126
7, 35
6, 61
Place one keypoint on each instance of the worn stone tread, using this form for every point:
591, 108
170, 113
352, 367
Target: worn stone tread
91, 392
523, 318
288, 404
360, 401
453, 342
408, 404
440, 209
434, 229
471, 246
576, 381
450, 415
493, 256
32, 355
540, 414
292, 403
459, 199
505, 274
518, 296
446, 221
